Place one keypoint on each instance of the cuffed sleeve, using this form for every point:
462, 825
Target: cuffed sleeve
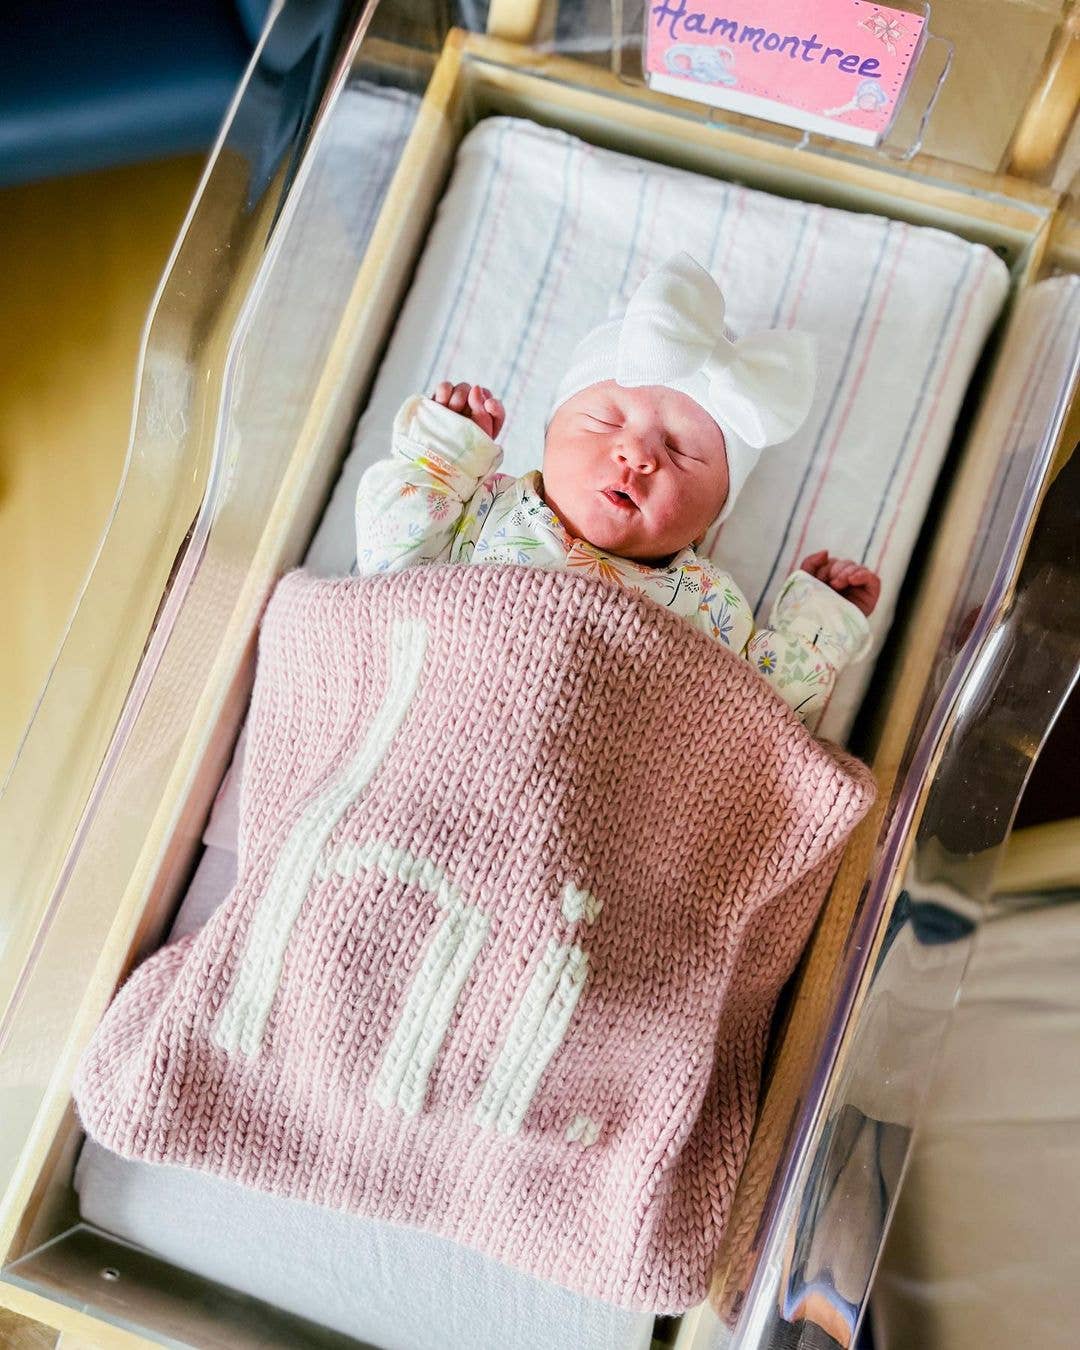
815, 632
408, 505
810, 609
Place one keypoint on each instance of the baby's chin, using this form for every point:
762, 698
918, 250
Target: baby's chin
622, 533
625, 540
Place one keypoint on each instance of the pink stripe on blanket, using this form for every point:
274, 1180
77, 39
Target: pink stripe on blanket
641, 254
808, 267
740, 207
901, 496
654, 215
465, 316
554, 286
712, 537
853, 392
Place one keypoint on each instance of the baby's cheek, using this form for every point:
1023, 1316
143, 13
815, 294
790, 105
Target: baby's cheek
680, 514
706, 502
566, 466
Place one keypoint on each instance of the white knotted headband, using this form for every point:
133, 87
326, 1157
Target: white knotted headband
758, 389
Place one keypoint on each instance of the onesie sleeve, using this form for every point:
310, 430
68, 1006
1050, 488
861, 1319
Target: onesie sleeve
409, 504
814, 633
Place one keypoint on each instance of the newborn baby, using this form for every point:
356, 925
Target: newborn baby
654, 429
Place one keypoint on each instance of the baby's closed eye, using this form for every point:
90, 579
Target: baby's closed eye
683, 452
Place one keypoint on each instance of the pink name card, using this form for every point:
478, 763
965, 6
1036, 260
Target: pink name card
837, 67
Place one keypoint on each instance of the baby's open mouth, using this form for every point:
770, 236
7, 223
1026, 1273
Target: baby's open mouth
619, 499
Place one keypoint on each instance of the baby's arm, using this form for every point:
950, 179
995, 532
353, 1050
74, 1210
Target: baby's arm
815, 632
408, 505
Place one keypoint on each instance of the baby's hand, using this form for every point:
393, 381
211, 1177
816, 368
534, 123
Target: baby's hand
474, 402
853, 581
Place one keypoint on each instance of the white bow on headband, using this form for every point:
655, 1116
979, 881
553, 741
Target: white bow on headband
761, 386
758, 389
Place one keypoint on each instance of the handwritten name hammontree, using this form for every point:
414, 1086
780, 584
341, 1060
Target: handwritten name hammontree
681, 20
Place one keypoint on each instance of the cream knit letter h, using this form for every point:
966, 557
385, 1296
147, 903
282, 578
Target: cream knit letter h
243, 1019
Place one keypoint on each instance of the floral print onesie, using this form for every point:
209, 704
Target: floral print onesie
438, 498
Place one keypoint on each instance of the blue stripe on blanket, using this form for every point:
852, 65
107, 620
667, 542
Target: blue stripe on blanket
481, 218
721, 217
631, 252
849, 355
556, 236
935, 353
781, 295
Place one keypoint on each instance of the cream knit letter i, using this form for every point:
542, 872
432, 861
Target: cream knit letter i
540, 1023
535, 1033
243, 1019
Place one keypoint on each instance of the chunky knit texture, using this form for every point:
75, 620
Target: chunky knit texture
524, 860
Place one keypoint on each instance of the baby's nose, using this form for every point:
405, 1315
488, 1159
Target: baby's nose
637, 453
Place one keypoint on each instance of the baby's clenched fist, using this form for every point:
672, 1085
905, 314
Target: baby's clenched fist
473, 401
848, 578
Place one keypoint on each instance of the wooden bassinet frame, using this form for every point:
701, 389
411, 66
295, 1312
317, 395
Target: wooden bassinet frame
107, 888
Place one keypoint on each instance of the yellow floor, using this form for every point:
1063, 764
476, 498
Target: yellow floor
16, 1333
82, 257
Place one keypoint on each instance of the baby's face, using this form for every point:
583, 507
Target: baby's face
637, 472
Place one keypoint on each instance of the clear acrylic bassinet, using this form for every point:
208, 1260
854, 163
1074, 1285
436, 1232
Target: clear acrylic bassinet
294, 267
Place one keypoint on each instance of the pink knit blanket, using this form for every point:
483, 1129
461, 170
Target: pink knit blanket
524, 861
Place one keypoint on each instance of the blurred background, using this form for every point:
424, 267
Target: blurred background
107, 112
